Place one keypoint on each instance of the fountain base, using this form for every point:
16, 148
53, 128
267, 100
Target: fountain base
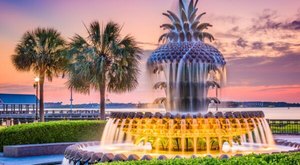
187, 132
143, 136
93, 152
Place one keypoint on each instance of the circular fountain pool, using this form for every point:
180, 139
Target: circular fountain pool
93, 152
141, 150
134, 136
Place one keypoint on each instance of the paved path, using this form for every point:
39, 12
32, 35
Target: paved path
33, 160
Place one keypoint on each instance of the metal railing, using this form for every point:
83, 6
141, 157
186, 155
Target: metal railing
291, 127
285, 126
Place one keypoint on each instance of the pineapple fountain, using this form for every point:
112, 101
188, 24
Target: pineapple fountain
190, 67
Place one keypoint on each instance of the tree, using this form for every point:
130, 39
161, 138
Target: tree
43, 52
103, 61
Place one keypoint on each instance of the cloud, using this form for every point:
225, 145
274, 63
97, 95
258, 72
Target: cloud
226, 35
279, 46
268, 34
255, 71
241, 43
268, 20
295, 25
235, 29
258, 45
265, 21
224, 18
288, 36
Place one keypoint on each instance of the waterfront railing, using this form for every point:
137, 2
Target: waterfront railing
285, 126
280, 126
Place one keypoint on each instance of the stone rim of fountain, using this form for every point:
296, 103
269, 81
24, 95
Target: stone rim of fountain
75, 153
168, 115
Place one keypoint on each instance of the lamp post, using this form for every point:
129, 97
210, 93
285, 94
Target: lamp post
36, 86
71, 100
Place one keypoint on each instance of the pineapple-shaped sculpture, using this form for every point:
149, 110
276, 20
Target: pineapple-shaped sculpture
186, 26
190, 66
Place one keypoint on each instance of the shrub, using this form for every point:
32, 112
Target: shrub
51, 132
274, 159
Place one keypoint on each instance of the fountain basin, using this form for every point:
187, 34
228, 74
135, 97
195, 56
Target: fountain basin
93, 152
144, 136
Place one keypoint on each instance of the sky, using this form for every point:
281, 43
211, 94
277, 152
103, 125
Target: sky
259, 40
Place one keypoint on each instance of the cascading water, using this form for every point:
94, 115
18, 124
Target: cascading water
188, 78
184, 133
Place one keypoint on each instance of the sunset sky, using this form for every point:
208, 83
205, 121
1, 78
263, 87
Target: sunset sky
260, 40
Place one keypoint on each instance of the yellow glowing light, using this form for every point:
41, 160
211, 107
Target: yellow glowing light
190, 134
37, 79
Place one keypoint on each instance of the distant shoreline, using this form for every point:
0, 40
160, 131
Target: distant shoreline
155, 108
225, 104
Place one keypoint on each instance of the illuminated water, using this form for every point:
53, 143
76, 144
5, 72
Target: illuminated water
186, 134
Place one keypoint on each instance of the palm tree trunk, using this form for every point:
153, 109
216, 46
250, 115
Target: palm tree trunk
42, 117
102, 101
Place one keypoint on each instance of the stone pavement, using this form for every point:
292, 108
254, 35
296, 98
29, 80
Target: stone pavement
32, 160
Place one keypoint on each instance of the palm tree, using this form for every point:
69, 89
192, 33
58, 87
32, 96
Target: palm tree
103, 61
41, 51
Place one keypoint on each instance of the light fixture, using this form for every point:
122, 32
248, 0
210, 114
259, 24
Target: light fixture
37, 79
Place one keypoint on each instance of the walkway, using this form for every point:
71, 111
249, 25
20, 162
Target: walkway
33, 160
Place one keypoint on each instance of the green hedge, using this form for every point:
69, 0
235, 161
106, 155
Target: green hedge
51, 132
274, 159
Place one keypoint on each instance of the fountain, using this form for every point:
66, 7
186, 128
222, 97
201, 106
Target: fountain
190, 68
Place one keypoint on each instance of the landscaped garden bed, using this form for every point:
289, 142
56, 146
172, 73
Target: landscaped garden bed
263, 159
51, 132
